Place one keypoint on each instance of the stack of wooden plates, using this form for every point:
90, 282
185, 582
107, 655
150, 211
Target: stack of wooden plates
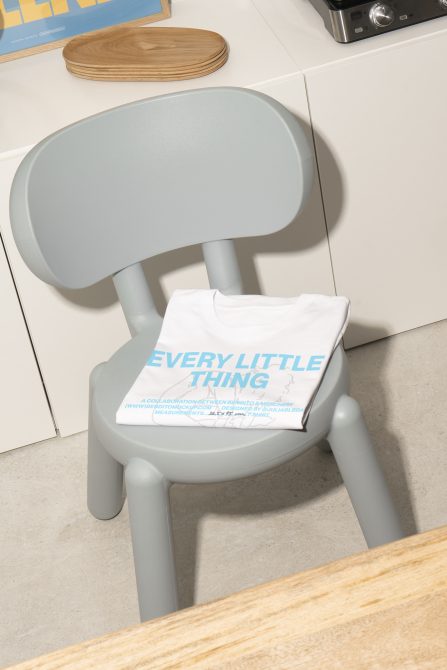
145, 54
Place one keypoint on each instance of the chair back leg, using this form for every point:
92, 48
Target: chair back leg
105, 496
362, 474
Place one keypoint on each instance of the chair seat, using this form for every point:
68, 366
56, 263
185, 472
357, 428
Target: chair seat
194, 455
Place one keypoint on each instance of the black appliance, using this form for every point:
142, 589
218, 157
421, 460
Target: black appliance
351, 20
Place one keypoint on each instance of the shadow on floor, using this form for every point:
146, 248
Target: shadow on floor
307, 477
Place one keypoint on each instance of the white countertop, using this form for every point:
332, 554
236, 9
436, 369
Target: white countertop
301, 30
39, 96
268, 39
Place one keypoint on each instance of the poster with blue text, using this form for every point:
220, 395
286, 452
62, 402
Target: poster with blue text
27, 26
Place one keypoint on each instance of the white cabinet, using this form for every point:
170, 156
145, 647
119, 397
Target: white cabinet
71, 331
378, 116
74, 330
381, 141
297, 259
24, 412
378, 123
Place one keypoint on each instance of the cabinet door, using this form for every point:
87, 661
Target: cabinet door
297, 259
71, 331
25, 416
381, 140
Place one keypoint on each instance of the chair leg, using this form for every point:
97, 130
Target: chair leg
362, 475
104, 481
150, 523
104, 474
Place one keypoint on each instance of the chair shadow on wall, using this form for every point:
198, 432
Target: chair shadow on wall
309, 476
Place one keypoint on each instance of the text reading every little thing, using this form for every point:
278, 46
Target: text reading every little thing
218, 361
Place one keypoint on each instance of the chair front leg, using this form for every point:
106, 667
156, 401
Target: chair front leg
358, 464
150, 523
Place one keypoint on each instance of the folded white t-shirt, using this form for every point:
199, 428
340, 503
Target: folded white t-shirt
245, 361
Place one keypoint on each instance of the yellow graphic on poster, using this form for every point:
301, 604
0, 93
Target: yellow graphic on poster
25, 24
31, 10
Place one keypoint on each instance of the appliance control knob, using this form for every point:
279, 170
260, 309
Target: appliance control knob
381, 15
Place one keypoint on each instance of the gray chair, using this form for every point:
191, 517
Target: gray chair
98, 197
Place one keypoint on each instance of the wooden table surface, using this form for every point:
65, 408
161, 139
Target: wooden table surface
381, 609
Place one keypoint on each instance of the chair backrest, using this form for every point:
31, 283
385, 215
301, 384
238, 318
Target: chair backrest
162, 173
155, 175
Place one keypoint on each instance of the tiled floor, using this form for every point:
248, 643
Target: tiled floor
66, 577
